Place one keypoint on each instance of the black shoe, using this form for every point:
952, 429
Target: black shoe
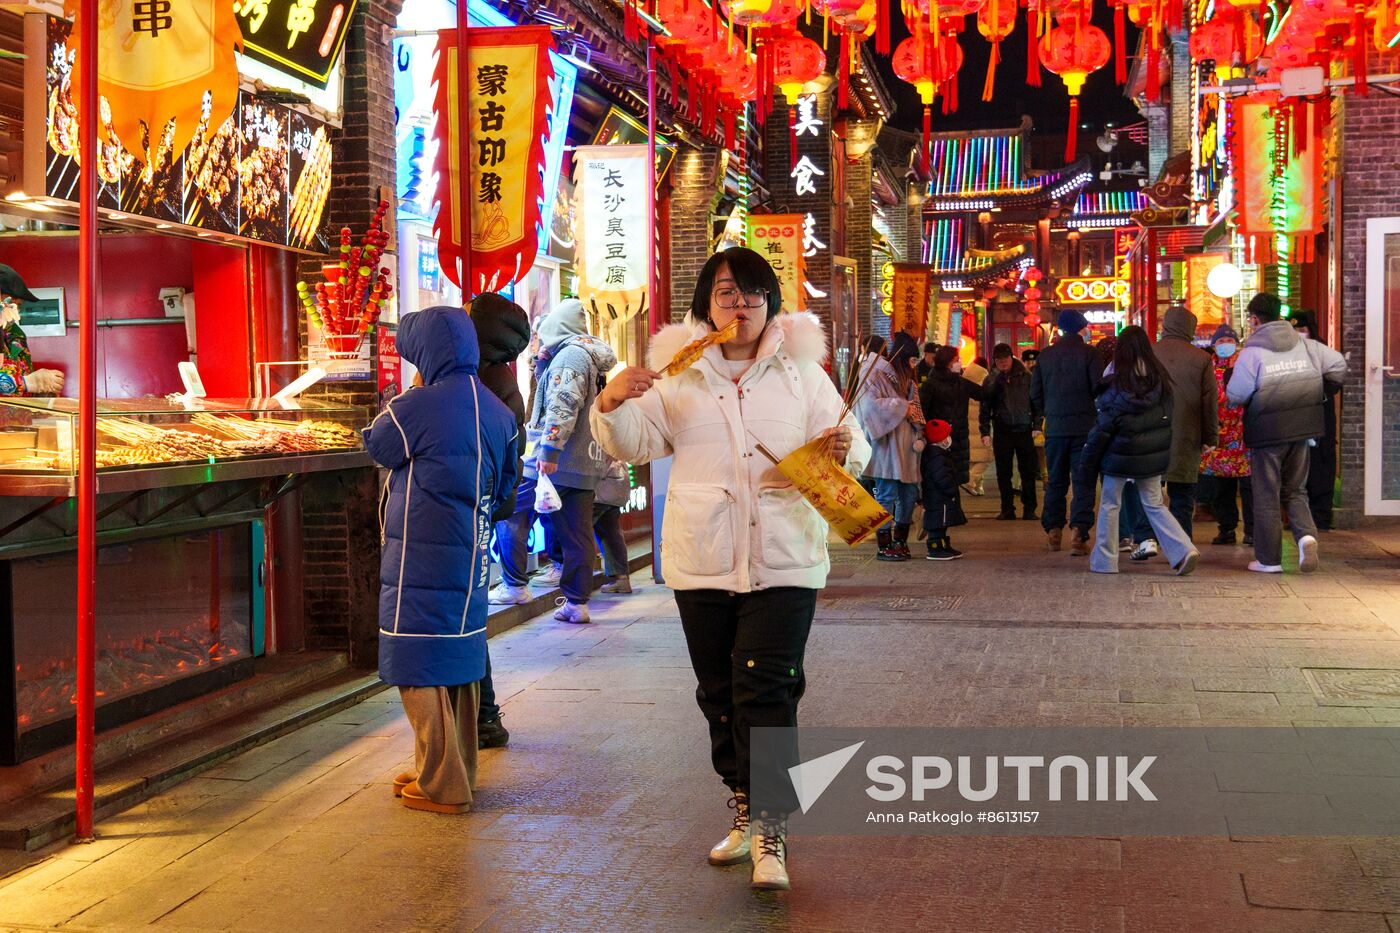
1006, 515
1225, 537
491, 734
942, 549
1247, 540
1030, 516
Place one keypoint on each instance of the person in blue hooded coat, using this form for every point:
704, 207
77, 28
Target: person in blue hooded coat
449, 447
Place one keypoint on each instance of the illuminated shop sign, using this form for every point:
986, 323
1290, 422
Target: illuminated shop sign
301, 38
809, 181
1090, 290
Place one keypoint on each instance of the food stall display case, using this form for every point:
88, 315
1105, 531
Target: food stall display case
150, 435
184, 490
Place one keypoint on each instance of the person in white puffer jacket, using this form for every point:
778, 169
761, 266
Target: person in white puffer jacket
742, 549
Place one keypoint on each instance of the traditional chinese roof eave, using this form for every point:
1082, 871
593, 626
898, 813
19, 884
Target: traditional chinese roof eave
1054, 186
974, 278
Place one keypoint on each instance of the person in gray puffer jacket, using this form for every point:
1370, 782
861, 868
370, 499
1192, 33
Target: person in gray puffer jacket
1280, 380
568, 371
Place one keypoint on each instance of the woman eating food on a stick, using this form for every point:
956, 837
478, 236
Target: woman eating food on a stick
742, 549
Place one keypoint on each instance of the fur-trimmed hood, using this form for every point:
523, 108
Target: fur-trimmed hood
798, 334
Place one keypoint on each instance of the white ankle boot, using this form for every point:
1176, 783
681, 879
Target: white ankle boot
770, 855
734, 847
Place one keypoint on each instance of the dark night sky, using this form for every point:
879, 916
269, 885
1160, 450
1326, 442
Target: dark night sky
1101, 101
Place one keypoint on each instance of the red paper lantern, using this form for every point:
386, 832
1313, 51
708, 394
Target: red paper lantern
1032, 307
1033, 274
921, 61
796, 60
1231, 39
1031, 320
760, 13
1074, 52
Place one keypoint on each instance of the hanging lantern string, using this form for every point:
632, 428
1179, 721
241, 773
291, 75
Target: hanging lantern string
1120, 54
1032, 48
1072, 134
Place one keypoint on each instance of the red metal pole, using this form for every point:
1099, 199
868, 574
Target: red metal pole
464, 151
87, 415
656, 322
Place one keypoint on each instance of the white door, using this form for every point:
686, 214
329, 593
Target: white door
1383, 366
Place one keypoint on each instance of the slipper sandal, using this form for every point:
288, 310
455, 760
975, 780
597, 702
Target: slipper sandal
402, 781
414, 800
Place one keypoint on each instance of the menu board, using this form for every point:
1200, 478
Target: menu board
264, 174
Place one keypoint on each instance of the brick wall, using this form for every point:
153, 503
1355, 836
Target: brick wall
1370, 187
695, 191
858, 236
339, 510
1181, 100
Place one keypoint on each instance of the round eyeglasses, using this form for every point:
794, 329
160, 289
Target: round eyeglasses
730, 297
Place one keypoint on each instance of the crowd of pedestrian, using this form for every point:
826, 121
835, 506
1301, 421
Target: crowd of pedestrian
1134, 434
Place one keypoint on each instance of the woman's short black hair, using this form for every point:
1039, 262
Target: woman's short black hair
751, 272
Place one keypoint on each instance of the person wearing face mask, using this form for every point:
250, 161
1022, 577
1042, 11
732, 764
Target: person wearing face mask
1227, 463
743, 551
17, 373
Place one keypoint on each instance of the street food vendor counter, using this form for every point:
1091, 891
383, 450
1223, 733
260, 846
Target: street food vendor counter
183, 492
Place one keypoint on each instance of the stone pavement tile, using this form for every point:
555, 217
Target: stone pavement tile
1304, 889
1378, 857
1190, 918
1224, 704
1160, 714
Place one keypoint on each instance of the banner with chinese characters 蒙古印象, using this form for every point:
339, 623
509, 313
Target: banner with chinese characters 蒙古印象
156, 60
910, 299
778, 239
505, 113
612, 253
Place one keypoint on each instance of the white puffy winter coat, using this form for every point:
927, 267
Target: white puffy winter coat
732, 521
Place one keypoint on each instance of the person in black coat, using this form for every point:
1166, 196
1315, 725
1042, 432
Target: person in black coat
940, 490
503, 331
1062, 394
1322, 455
1132, 440
1004, 422
944, 396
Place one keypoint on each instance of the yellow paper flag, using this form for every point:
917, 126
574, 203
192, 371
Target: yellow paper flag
833, 492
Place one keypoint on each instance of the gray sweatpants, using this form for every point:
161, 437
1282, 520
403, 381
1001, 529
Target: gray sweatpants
1279, 473
444, 734
1175, 545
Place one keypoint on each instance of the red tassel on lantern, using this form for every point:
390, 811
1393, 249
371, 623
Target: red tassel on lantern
882, 31
1358, 52
1153, 91
928, 133
992, 63
1120, 54
1032, 48
843, 68
1072, 133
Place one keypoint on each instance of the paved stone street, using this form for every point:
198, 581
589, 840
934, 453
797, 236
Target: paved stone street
599, 814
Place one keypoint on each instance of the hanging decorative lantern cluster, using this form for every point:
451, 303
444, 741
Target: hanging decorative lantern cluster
706, 59
1327, 32
1031, 297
